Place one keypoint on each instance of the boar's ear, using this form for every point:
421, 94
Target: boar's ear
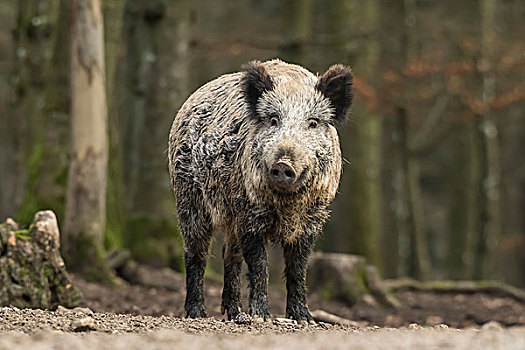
336, 85
255, 81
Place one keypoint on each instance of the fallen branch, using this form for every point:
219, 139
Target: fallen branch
470, 287
323, 316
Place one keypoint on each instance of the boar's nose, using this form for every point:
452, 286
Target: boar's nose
282, 174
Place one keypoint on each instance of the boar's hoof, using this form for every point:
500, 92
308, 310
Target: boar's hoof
260, 313
300, 314
232, 310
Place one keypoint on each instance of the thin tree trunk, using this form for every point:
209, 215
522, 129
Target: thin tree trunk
461, 204
86, 193
489, 224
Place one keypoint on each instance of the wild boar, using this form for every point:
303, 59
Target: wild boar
256, 155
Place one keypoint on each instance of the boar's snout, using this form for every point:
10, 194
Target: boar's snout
282, 175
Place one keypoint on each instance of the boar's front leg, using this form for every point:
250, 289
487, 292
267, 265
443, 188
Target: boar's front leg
296, 260
254, 252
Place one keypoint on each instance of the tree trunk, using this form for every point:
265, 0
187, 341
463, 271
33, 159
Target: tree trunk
413, 254
115, 213
157, 85
461, 206
38, 120
489, 225
364, 149
86, 193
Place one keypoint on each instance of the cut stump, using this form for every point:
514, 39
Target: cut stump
32, 271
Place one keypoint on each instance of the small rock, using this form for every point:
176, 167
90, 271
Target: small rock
85, 310
441, 326
60, 308
243, 318
414, 326
83, 324
434, 320
285, 321
492, 325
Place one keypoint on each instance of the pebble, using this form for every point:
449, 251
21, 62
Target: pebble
492, 325
83, 324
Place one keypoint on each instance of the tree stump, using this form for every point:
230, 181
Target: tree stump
32, 271
349, 279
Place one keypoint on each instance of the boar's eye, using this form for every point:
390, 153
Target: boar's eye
312, 124
274, 121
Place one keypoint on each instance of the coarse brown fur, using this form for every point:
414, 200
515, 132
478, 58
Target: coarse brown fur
230, 145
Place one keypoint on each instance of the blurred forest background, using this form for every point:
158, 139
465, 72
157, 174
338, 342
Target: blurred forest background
434, 183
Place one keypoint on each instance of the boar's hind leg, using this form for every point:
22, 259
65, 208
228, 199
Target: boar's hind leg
296, 260
196, 230
231, 294
254, 252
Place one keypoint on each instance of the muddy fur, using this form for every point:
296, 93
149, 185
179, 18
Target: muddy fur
223, 145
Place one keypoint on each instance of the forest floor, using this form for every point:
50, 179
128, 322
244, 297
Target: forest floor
137, 317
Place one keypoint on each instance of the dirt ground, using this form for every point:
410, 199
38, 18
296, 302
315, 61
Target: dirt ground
456, 310
138, 317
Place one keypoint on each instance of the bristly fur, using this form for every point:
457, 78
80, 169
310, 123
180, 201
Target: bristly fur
336, 85
222, 145
255, 82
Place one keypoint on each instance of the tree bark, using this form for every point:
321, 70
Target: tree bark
86, 193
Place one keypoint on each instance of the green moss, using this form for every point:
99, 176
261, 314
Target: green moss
47, 272
362, 281
23, 235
